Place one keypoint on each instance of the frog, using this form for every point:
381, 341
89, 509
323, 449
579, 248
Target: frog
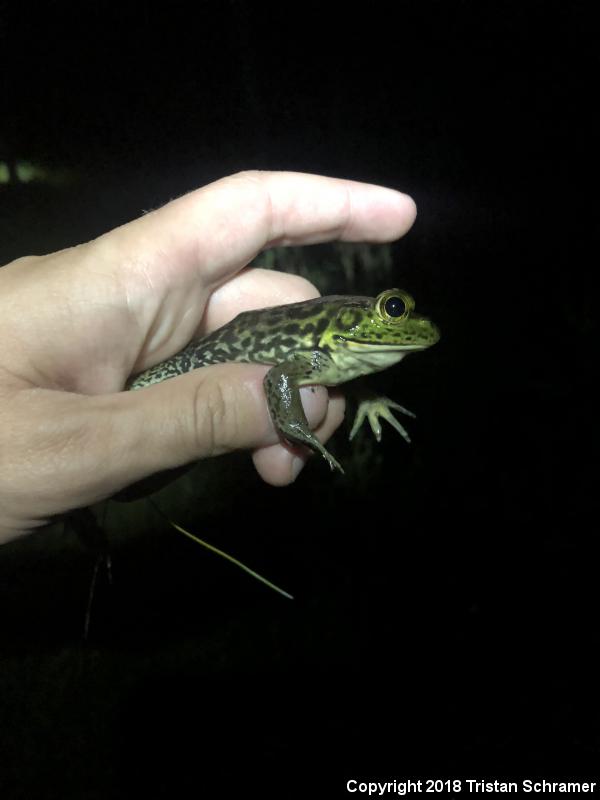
325, 341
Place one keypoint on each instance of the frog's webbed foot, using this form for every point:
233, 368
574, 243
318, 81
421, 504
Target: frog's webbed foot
333, 463
316, 445
374, 407
298, 434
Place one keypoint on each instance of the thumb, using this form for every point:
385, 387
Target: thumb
64, 450
201, 414
216, 410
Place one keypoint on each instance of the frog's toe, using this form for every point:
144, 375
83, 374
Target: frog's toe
358, 421
334, 464
373, 417
398, 407
387, 415
316, 446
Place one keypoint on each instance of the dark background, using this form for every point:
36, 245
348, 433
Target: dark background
446, 613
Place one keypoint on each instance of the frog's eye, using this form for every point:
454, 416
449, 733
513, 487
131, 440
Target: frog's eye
394, 305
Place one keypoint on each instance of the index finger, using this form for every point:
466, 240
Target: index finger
216, 230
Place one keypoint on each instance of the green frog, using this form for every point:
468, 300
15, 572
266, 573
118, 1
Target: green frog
326, 341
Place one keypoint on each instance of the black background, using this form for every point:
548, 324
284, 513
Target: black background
445, 620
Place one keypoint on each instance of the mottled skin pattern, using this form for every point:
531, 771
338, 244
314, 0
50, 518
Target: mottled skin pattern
327, 341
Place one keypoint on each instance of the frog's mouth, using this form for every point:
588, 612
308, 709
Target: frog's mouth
381, 347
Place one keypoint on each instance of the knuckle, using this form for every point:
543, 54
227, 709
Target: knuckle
214, 418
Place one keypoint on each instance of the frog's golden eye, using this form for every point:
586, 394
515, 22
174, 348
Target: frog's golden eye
394, 305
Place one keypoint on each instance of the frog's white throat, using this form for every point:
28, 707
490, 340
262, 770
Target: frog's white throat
355, 362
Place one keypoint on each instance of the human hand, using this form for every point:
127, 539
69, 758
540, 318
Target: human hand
75, 324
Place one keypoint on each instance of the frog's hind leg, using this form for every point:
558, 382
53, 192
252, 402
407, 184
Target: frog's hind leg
282, 387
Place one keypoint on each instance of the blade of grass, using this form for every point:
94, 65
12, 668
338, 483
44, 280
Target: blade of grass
222, 553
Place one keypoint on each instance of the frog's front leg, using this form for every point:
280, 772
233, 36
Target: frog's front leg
282, 387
